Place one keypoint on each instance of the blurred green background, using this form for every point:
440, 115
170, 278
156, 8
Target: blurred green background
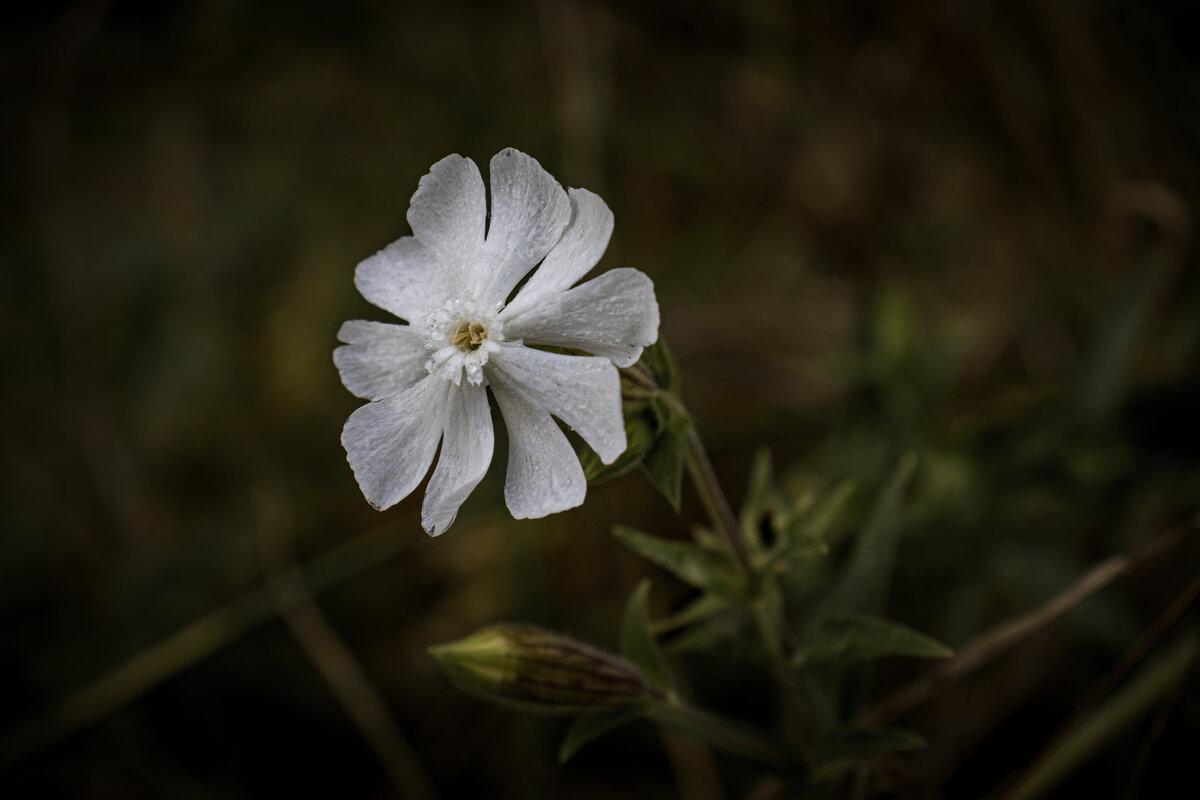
961, 229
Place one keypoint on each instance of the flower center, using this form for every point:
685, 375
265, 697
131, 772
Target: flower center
459, 337
468, 336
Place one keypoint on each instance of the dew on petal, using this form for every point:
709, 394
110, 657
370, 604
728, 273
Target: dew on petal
459, 337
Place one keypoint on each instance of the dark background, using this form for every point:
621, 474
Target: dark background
962, 229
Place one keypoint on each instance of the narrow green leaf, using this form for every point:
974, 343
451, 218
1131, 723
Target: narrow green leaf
700, 565
658, 359
663, 462
722, 632
863, 586
1114, 343
804, 535
590, 727
699, 609
762, 498
705, 536
856, 743
841, 640
760, 489
637, 640
733, 738
813, 530
641, 431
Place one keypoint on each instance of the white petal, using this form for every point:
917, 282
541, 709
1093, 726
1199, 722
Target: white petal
390, 443
614, 315
544, 475
403, 278
466, 455
580, 248
448, 214
582, 391
378, 359
529, 212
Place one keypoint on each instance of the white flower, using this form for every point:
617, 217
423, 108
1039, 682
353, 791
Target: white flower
451, 281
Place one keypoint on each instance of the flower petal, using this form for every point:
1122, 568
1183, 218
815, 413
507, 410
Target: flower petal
403, 278
390, 443
448, 215
614, 315
580, 248
582, 391
379, 359
466, 455
544, 475
529, 212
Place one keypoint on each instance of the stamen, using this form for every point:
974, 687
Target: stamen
468, 336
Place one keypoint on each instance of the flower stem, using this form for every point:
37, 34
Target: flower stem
712, 496
772, 640
714, 500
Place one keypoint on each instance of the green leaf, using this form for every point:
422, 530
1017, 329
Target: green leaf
641, 431
703, 607
700, 565
1114, 343
592, 726
721, 632
762, 498
761, 491
801, 526
733, 738
863, 585
654, 380
664, 460
856, 743
844, 639
637, 640
812, 531
658, 359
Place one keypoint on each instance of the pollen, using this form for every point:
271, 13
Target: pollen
468, 336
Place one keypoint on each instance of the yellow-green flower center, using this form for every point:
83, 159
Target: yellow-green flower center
468, 336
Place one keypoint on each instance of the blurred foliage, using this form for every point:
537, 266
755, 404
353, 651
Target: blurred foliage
960, 230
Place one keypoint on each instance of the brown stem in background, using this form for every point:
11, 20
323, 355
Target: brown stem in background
988, 646
193, 643
1134, 656
331, 656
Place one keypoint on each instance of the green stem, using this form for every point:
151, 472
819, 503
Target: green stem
712, 496
714, 500
772, 640
721, 513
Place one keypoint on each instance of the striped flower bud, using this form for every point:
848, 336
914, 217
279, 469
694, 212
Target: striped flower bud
536, 670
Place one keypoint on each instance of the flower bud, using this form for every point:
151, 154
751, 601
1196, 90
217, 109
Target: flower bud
536, 670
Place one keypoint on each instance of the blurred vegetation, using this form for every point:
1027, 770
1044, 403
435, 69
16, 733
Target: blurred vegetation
961, 230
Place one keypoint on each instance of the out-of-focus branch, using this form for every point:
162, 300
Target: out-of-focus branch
1154, 682
1086, 708
192, 644
320, 641
987, 647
